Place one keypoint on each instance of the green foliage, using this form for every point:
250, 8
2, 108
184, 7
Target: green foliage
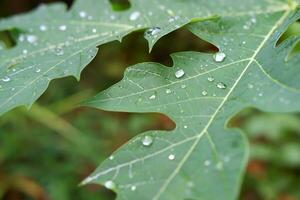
200, 93
53, 43
274, 165
200, 158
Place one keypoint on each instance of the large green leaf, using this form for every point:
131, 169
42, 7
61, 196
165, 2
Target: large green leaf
202, 158
53, 42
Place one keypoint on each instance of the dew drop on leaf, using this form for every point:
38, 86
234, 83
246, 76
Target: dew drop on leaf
171, 157
246, 27
168, 91
25, 51
133, 188
59, 51
152, 97
31, 38
6, 79
207, 163
204, 93
43, 27
219, 57
82, 14
135, 15
147, 140
62, 27
250, 86
21, 38
38, 70
210, 79
253, 20
179, 73
221, 85
152, 31
110, 185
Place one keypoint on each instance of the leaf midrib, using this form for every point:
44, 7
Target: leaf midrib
252, 59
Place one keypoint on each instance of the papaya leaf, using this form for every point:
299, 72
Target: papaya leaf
52, 42
202, 158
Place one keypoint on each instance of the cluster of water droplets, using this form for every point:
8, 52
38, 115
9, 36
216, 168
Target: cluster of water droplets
152, 32
180, 73
249, 23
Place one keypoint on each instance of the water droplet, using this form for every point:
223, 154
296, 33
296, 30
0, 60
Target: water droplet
38, 70
172, 19
207, 163
219, 57
153, 31
211, 79
147, 140
183, 86
246, 27
253, 20
94, 30
6, 79
25, 51
111, 157
185, 126
221, 85
59, 51
168, 91
43, 27
179, 73
204, 93
62, 27
82, 14
171, 157
152, 97
250, 86
135, 15
133, 188
21, 38
110, 185
31, 38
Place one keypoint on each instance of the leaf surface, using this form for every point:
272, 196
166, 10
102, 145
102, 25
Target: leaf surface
202, 158
54, 43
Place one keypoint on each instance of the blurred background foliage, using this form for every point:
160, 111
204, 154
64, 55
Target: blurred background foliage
45, 152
